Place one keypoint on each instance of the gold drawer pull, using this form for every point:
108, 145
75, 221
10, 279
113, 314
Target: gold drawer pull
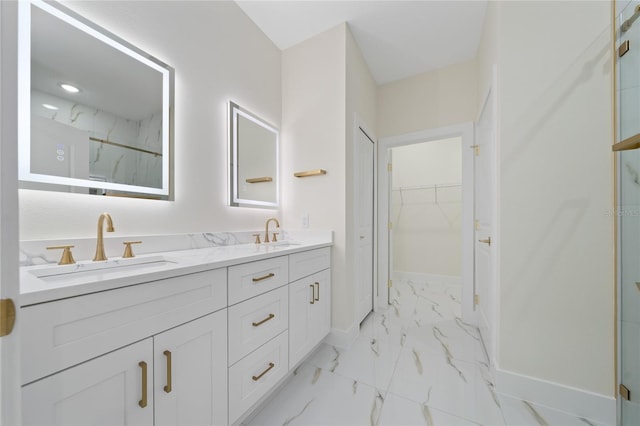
318, 295
269, 275
256, 324
167, 387
143, 402
313, 294
256, 378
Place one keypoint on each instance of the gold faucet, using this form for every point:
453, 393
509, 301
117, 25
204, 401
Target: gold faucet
100, 255
266, 228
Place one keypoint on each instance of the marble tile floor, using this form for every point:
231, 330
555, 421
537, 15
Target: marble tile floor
417, 363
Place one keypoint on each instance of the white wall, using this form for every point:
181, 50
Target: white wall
430, 100
556, 273
326, 89
218, 54
427, 234
313, 137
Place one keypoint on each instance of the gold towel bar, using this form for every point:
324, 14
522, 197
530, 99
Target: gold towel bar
316, 172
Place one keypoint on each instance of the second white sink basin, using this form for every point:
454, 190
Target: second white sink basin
112, 266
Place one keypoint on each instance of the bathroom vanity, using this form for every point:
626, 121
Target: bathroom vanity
186, 337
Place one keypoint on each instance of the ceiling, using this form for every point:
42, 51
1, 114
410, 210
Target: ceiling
398, 39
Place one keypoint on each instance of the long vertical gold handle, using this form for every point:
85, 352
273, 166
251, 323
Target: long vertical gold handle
143, 402
318, 294
167, 387
313, 294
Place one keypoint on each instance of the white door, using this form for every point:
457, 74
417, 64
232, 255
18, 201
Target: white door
484, 212
190, 373
9, 287
364, 218
113, 389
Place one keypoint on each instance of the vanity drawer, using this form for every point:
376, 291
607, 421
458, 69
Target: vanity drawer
256, 374
256, 321
251, 279
63, 333
309, 262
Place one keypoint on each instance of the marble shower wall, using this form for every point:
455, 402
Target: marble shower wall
107, 162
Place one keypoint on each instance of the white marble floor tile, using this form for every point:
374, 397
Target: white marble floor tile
370, 360
318, 397
447, 384
518, 412
397, 411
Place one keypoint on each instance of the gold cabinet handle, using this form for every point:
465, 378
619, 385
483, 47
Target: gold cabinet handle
486, 241
258, 377
313, 294
143, 402
269, 275
317, 284
259, 323
167, 387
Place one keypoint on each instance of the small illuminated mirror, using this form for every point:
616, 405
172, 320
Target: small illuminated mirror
253, 160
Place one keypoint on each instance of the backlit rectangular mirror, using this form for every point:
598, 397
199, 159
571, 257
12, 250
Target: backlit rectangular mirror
95, 112
253, 160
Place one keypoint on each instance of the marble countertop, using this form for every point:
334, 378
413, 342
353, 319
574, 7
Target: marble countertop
160, 265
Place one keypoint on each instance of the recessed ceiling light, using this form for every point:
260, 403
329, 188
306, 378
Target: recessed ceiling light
69, 88
51, 107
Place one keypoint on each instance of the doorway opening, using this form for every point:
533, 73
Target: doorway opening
425, 236
425, 213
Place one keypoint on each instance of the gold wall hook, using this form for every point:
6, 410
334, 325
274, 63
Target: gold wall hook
67, 256
127, 249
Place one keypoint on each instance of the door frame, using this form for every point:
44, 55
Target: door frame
466, 132
360, 125
10, 404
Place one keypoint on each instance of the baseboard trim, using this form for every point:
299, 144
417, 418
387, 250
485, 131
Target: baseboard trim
578, 402
343, 338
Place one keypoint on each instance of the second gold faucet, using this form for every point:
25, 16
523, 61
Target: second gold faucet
100, 254
266, 230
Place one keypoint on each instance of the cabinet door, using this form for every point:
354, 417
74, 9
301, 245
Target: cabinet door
321, 312
108, 390
301, 334
191, 372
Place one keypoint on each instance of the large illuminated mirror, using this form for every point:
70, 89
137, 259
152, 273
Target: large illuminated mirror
253, 149
95, 112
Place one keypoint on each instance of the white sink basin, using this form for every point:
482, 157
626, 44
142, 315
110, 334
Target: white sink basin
102, 269
283, 244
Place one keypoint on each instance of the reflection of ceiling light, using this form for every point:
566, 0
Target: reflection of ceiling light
69, 88
49, 106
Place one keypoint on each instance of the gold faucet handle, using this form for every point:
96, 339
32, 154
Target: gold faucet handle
275, 237
67, 256
257, 238
127, 249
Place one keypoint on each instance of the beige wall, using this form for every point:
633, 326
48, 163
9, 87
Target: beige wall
313, 137
218, 55
427, 233
430, 100
326, 88
556, 295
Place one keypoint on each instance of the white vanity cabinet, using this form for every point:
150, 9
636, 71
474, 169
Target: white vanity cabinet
145, 354
198, 349
178, 377
309, 302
